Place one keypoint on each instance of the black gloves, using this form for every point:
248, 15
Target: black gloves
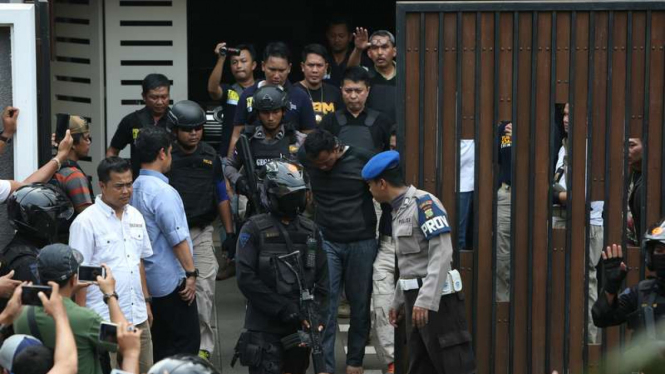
242, 187
229, 245
614, 276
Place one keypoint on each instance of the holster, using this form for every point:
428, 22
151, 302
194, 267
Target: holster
249, 350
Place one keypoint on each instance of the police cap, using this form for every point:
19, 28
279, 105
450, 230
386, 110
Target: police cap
379, 163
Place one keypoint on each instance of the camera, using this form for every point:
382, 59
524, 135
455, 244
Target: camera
228, 51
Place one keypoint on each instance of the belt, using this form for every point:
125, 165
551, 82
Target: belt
559, 211
386, 238
452, 284
505, 186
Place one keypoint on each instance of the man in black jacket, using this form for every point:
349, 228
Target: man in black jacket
345, 213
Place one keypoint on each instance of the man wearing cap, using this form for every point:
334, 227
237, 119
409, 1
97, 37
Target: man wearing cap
71, 178
438, 343
14, 345
9, 124
59, 263
20, 353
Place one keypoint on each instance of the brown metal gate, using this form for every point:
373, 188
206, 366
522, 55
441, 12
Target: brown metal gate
463, 67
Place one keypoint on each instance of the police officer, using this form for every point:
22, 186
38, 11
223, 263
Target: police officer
270, 137
36, 211
269, 284
642, 305
196, 174
427, 286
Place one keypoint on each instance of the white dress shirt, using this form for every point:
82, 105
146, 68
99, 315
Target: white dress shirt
5, 187
467, 161
120, 244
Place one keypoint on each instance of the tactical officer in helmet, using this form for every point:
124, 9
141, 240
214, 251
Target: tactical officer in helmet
272, 288
270, 137
642, 305
196, 173
36, 211
183, 364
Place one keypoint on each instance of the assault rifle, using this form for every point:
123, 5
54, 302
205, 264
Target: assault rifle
250, 173
312, 338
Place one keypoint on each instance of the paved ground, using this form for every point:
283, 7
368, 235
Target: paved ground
230, 316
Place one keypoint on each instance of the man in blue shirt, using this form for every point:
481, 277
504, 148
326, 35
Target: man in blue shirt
170, 271
276, 66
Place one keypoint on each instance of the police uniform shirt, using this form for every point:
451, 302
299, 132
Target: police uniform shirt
327, 99
300, 112
423, 246
229, 101
380, 130
128, 130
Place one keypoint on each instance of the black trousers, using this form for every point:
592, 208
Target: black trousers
443, 346
175, 327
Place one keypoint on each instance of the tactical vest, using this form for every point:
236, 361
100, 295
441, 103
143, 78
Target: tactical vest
358, 136
193, 177
264, 152
651, 309
18, 254
272, 244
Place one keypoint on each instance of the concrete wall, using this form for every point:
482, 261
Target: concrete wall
6, 159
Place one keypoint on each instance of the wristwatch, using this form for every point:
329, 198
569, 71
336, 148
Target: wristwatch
108, 296
194, 273
148, 300
5, 139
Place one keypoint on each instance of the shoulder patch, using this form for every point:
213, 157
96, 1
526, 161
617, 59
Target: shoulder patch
431, 219
243, 238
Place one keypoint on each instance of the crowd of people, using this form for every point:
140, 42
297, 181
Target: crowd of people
313, 208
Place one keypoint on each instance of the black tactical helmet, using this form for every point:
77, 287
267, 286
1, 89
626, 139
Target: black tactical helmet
270, 97
183, 364
187, 114
284, 189
655, 234
39, 210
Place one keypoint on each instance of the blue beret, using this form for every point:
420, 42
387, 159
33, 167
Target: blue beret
380, 163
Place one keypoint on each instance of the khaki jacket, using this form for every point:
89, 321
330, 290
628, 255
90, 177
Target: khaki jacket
423, 246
